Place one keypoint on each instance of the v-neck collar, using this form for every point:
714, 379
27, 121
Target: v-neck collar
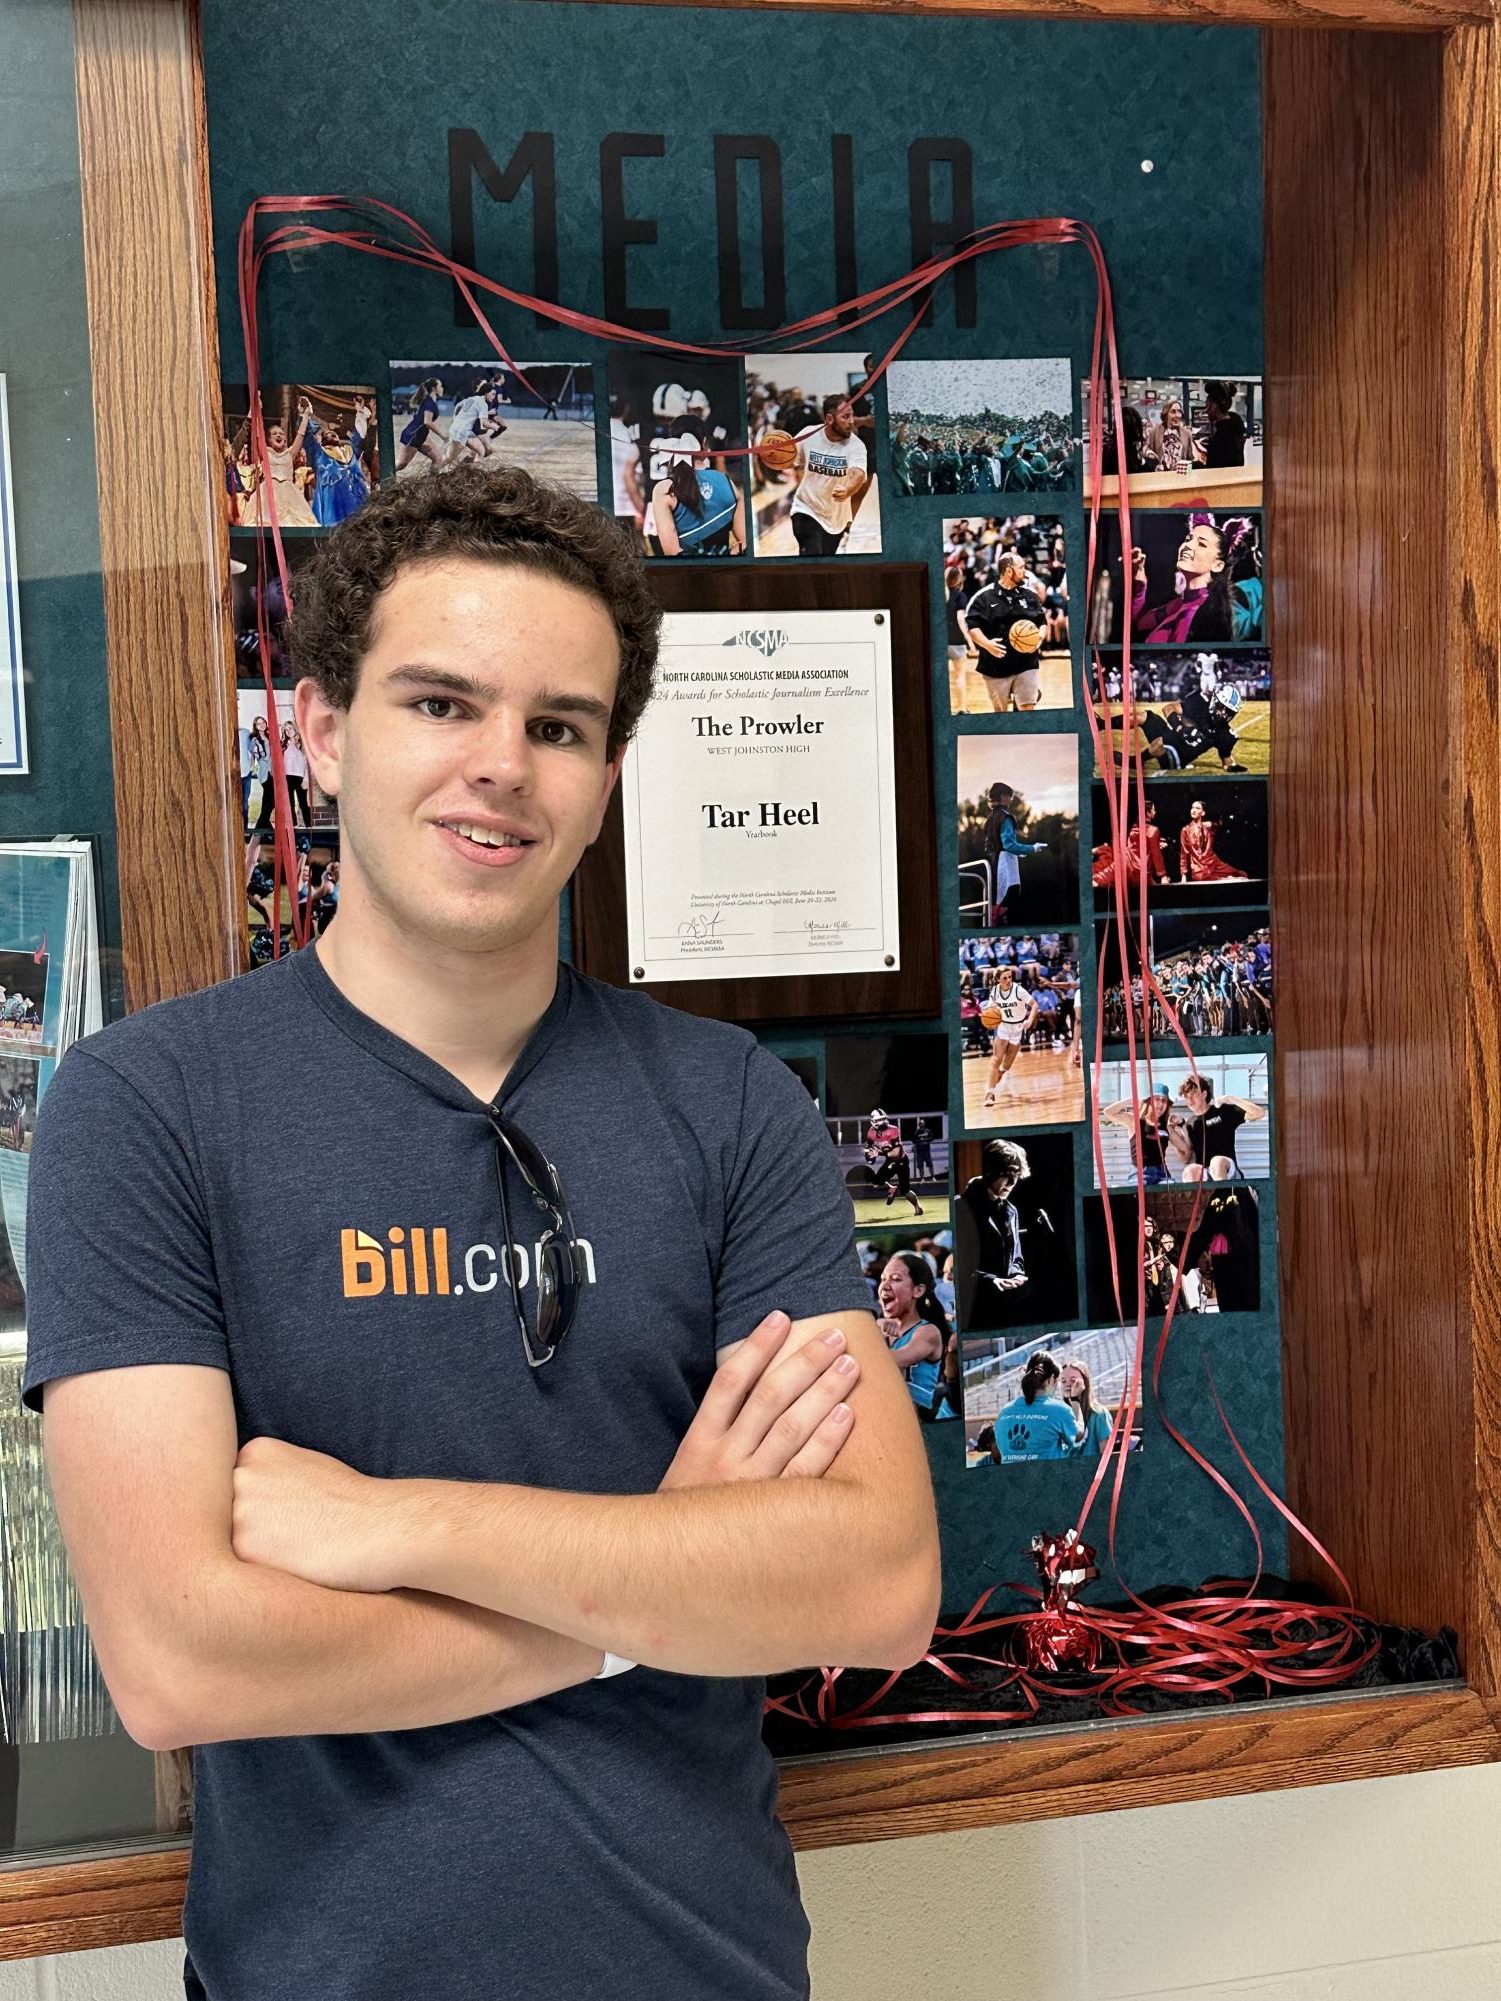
392, 1049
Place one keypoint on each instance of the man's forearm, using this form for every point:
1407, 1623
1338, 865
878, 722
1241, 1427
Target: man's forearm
276, 1656
747, 1579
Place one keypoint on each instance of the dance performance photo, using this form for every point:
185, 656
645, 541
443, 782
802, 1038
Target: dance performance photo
1204, 1121
887, 1115
1214, 968
1014, 1232
1020, 1032
981, 427
1187, 437
813, 479
678, 416
1202, 714
1196, 580
1212, 1230
322, 448
1206, 846
537, 414
1018, 830
1046, 1396
1005, 582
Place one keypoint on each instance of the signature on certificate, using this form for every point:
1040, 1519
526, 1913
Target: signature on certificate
700, 925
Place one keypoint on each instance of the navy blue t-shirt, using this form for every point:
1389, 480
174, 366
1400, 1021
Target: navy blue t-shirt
221, 1179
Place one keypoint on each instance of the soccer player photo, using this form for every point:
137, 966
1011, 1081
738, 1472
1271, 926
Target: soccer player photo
981, 427
1018, 830
887, 1113
1187, 437
1046, 1396
1014, 1232
1204, 1120
1019, 1030
1005, 585
1196, 580
537, 414
1198, 844
322, 455
1214, 969
1209, 1233
682, 415
813, 483
1201, 713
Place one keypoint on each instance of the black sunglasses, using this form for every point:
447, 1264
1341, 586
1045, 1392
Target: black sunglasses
559, 1260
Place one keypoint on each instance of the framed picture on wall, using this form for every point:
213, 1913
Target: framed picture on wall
675, 841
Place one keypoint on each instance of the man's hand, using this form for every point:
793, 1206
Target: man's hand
313, 1516
759, 1422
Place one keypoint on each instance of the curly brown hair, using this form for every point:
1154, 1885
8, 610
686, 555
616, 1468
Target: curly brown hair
501, 514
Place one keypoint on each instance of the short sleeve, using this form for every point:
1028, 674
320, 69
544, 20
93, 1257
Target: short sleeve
789, 1238
119, 1265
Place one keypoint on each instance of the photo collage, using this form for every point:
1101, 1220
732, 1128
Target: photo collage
992, 1168
1052, 1143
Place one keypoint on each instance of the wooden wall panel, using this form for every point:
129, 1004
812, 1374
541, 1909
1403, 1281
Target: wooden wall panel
1380, 638
1472, 550
163, 534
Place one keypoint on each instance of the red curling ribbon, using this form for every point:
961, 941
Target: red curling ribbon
1206, 1643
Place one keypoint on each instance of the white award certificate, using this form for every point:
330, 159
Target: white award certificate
759, 798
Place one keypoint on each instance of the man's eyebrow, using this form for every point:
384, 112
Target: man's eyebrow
562, 700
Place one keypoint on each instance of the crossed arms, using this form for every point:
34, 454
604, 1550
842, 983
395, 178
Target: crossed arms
277, 1592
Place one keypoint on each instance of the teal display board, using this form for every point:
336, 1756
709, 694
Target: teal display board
709, 174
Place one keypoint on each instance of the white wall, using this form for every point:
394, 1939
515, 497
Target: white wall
1380, 1891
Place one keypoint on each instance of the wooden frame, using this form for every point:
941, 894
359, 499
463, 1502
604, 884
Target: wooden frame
1382, 158
916, 989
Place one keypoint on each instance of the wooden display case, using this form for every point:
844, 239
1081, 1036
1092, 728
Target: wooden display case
1382, 152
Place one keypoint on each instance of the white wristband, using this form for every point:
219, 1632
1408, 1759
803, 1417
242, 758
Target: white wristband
614, 1664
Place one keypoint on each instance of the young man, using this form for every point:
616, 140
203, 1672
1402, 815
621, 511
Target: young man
313, 1420
832, 462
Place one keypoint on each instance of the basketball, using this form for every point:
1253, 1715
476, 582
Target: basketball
1025, 636
778, 450
990, 1014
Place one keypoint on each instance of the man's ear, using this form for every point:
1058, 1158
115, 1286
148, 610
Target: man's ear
320, 725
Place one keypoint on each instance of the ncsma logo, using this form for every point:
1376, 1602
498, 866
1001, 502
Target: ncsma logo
415, 1262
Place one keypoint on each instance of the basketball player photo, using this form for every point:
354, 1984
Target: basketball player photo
1213, 970
981, 427
1199, 1120
813, 469
1005, 585
1018, 830
674, 421
322, 455
886, 1108
537, 414
1020, 1040
1187, 437
1201, 714
1049, 1397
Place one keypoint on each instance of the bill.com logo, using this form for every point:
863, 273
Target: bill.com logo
416, 1263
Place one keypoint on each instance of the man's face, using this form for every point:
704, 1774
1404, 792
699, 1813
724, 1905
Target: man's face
483, 704
839, 422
